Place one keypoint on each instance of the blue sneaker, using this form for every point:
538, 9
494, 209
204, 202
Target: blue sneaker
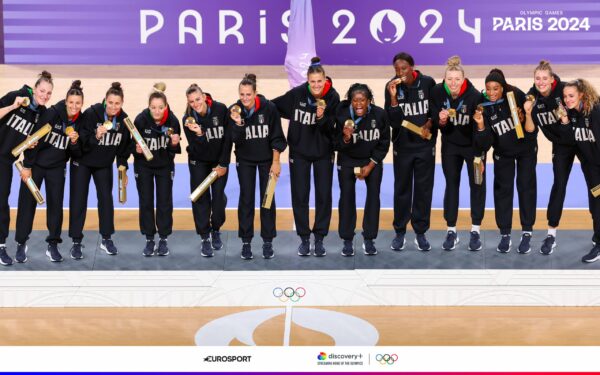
304, 248
475, 241
21, 255
422, 243
348, 249
548, 245
525, 245
5, 259
592, 256
76, 251
215, 240
163, 248
451, 241
207, 250
399, 242
369, 247
505, 244
267, 249
247, 251
149, 248
53, 253
108, 246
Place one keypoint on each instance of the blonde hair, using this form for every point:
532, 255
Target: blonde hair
590, 96
544, 66
453, 65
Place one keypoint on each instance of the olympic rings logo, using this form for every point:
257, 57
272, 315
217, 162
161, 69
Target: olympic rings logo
289, 294
386, 359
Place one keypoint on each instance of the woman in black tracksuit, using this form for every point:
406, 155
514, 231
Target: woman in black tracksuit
47, 163
16, 123
259, 141
496, 127
583, 119
362, 143
104, 137
548, 92
407, 98
310, 135
160, 129
209, 149
458, 96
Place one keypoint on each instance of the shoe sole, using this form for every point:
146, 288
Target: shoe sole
102, 247
320, 255
507, 251
400, 248
72, 257
24, 260
304, 254
418, 248
5, 264
479, 248
163, 255
453, 246
206, 255
53, 260
591, 260
551, 250
348, 255
270, 257
247, 258
365, 251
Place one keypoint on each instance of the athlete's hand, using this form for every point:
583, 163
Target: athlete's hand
425, 132
236, 118
100, 131
73, 136
33, 145
175, 139
138, 148
366, 171
444, 117
528, 106
25, 174
521, 115
195, 128
221, 171
320, 112
275, 169
478, 117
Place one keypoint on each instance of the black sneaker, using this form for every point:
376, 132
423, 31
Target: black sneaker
215, 240
163, 248
524, 246
304, 248
109, 246
548, 245
247, 251
475, 241
207, 250
422, 243
592, 256
348, 249
451, 241
399, 242
149, 249
369, 247
319, 249
268, 252
76, 252
21, 255
505, 244
53, 253
5, 259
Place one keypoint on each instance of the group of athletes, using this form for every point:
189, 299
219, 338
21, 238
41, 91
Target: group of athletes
416, 109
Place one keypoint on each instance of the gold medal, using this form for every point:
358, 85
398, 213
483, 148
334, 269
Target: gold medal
479, 108
349, 124
108, 125
451, 112
190, 121
170, 131
236, 109
69, 130
25, 102
530, 98
321, 103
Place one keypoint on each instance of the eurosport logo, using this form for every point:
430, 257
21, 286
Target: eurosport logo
322, 356
386, 359
228, 358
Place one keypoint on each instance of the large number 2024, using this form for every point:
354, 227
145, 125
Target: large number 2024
428, 38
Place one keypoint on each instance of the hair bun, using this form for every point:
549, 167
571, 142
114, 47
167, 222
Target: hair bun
453, 61
250, 76
160, 87
46, 75
116, 85
315, 60
76, 85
